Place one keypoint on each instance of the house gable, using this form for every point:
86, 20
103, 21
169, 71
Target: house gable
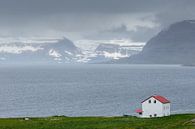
161, 99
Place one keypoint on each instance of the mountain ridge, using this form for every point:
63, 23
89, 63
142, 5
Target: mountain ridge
172, 45
62, 51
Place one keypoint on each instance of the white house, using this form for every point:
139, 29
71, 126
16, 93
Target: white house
154, 106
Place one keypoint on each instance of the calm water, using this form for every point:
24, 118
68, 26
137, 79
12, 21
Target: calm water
88, 90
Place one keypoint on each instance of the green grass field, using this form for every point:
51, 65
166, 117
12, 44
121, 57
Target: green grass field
182, 121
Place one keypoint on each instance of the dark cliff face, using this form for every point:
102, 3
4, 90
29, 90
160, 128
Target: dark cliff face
173, 45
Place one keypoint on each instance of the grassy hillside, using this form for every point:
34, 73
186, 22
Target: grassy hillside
183, 121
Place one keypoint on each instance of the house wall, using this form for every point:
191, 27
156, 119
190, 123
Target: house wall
166, 109
153, 108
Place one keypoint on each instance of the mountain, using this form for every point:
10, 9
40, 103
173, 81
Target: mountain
63, 51
173, 45
107, 52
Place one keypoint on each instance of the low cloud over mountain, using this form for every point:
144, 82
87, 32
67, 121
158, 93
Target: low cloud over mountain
173, 45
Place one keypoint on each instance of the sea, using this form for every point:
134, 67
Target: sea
92, 89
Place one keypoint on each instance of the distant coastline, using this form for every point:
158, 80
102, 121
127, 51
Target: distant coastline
189, 65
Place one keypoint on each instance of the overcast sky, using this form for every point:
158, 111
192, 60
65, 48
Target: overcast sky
137, 20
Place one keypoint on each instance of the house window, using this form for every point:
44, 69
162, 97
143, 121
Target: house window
154, 101
149, 101
155, 115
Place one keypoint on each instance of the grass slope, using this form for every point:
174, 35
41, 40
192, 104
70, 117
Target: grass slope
182, 121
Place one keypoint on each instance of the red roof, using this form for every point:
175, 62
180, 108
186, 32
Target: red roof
159, 98
138, 110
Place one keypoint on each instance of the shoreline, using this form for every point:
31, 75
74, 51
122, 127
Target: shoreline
181, 121
122, 115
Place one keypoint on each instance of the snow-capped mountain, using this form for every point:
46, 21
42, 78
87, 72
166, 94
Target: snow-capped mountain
107, 52
62, 51
65, 51
115, 51
103, 51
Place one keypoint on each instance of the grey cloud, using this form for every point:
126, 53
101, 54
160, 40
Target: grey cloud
141, 34
89, 18
78, 6
39, 7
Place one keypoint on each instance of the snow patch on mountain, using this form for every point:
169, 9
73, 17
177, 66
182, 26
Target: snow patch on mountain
114, 55
67, 52
54, 53
108, 49
14, 49
116, 52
